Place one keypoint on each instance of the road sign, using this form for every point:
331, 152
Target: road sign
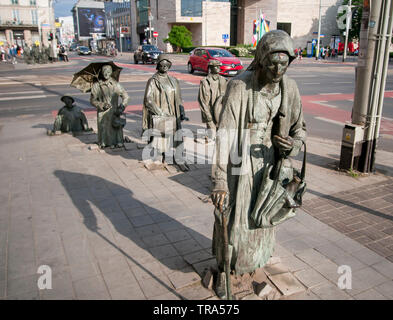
225, 36
155, 34
124, 30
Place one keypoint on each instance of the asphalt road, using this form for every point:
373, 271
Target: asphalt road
327, 90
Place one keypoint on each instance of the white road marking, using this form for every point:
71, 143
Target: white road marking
26, 97
330, 121
302, 76
345, 82
324, 103
388, 119
21, 92
311, 83
327, 94
386, 136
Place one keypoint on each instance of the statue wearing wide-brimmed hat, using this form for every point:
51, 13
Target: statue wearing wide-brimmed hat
211, 91
70, 118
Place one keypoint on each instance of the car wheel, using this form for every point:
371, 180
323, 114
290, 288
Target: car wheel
190, 68
143, 61
135, 61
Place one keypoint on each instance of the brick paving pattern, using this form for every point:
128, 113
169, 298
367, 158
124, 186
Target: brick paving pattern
364, 214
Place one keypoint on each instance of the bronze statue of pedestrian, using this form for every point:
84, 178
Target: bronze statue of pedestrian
70, 118
263, 120
211, 91
163, 106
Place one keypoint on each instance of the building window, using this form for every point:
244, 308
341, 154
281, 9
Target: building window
15, 15
33, 2
34, 17
142, 10
14, 1
285, 26
191, 8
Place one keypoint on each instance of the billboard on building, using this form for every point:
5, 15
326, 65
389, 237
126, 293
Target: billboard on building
91, 20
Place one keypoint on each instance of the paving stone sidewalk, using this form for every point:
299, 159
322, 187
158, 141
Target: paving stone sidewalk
110, 229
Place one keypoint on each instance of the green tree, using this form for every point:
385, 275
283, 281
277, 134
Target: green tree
357, 10
179, 37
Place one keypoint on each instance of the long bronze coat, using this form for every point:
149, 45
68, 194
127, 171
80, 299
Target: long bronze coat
250, 247
103, 92
211, 102
156, 100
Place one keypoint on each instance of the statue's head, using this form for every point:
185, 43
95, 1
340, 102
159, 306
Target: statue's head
68, 101
106, 71
214, 66
274, 54
163, 63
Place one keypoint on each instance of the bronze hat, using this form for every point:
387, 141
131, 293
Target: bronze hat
163, 57
69, 97
271, 42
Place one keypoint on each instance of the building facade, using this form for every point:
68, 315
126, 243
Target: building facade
300, 20
118, 15
65, 30
22, 21
207, 20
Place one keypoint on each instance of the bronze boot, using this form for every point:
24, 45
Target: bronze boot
221, 285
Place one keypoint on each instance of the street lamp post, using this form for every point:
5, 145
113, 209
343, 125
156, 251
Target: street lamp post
348, 13
150, 18
39, 24
319, 29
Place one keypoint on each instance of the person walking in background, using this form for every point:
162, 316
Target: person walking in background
2, 53
12, 53
299, 53
64, 53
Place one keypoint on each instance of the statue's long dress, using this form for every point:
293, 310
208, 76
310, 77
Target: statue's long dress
250, 248
107, 91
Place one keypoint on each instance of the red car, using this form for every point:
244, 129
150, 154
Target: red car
200, 57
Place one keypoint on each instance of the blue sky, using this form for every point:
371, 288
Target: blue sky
63, 7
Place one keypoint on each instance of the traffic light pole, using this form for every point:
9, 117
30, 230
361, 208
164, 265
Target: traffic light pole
360, 137
380, 72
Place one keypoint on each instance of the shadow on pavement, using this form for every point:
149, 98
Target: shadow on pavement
132, 219
352, 205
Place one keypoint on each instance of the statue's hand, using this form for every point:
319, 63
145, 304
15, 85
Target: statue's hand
218, 198
285, 145
211, 125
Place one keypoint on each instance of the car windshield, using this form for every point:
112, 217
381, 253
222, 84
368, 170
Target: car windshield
149, 48
83, 48
216, 53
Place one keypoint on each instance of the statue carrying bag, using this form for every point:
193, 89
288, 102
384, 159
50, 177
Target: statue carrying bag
278, 198
166, 125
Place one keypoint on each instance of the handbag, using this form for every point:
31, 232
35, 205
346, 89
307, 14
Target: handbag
166, 125
278, 198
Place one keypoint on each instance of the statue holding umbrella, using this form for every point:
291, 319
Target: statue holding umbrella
102, 80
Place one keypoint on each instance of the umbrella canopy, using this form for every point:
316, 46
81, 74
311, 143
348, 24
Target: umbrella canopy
84, 79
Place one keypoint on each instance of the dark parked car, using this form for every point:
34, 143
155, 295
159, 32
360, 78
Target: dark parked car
200, 57
74, 47
84, 51
146, 53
